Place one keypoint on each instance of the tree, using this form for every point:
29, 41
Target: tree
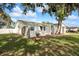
4, 15
60, 11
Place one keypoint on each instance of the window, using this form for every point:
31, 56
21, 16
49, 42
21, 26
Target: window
44, 28
32, 28
41, 28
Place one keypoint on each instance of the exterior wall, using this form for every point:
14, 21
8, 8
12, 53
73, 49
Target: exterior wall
7, 31
49, 30
75, 29
72, 29
41, 32
64, 29
32, 34
36, 29
46, 32
18, 29
54, 28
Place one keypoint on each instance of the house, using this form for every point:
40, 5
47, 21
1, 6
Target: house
33, 29
54, 28
72, 29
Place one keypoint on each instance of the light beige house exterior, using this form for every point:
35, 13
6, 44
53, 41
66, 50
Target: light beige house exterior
54, 28
33, 29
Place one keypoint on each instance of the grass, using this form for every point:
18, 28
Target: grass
13, 44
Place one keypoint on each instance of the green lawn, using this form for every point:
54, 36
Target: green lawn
12, 44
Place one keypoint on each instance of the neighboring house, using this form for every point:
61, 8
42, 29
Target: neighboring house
33, 29
72, 29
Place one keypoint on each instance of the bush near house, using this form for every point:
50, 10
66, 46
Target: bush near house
13, 44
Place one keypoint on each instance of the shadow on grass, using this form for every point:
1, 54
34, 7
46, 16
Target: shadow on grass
69, 38
16, 45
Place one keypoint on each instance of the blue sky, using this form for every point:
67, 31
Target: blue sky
16, 14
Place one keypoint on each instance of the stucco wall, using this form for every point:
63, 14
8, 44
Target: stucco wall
7, 31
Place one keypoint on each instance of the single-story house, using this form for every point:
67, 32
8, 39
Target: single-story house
72, 29
33, 29
54, 28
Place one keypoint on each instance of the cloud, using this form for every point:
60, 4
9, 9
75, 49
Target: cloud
72, 17
30, 13
15, 14
17, 9
54, 21
71, 23
72, 20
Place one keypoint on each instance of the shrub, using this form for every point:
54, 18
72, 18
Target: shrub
37, 34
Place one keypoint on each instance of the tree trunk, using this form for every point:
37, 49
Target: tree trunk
59, 27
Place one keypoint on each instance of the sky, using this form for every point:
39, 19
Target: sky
37, 16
